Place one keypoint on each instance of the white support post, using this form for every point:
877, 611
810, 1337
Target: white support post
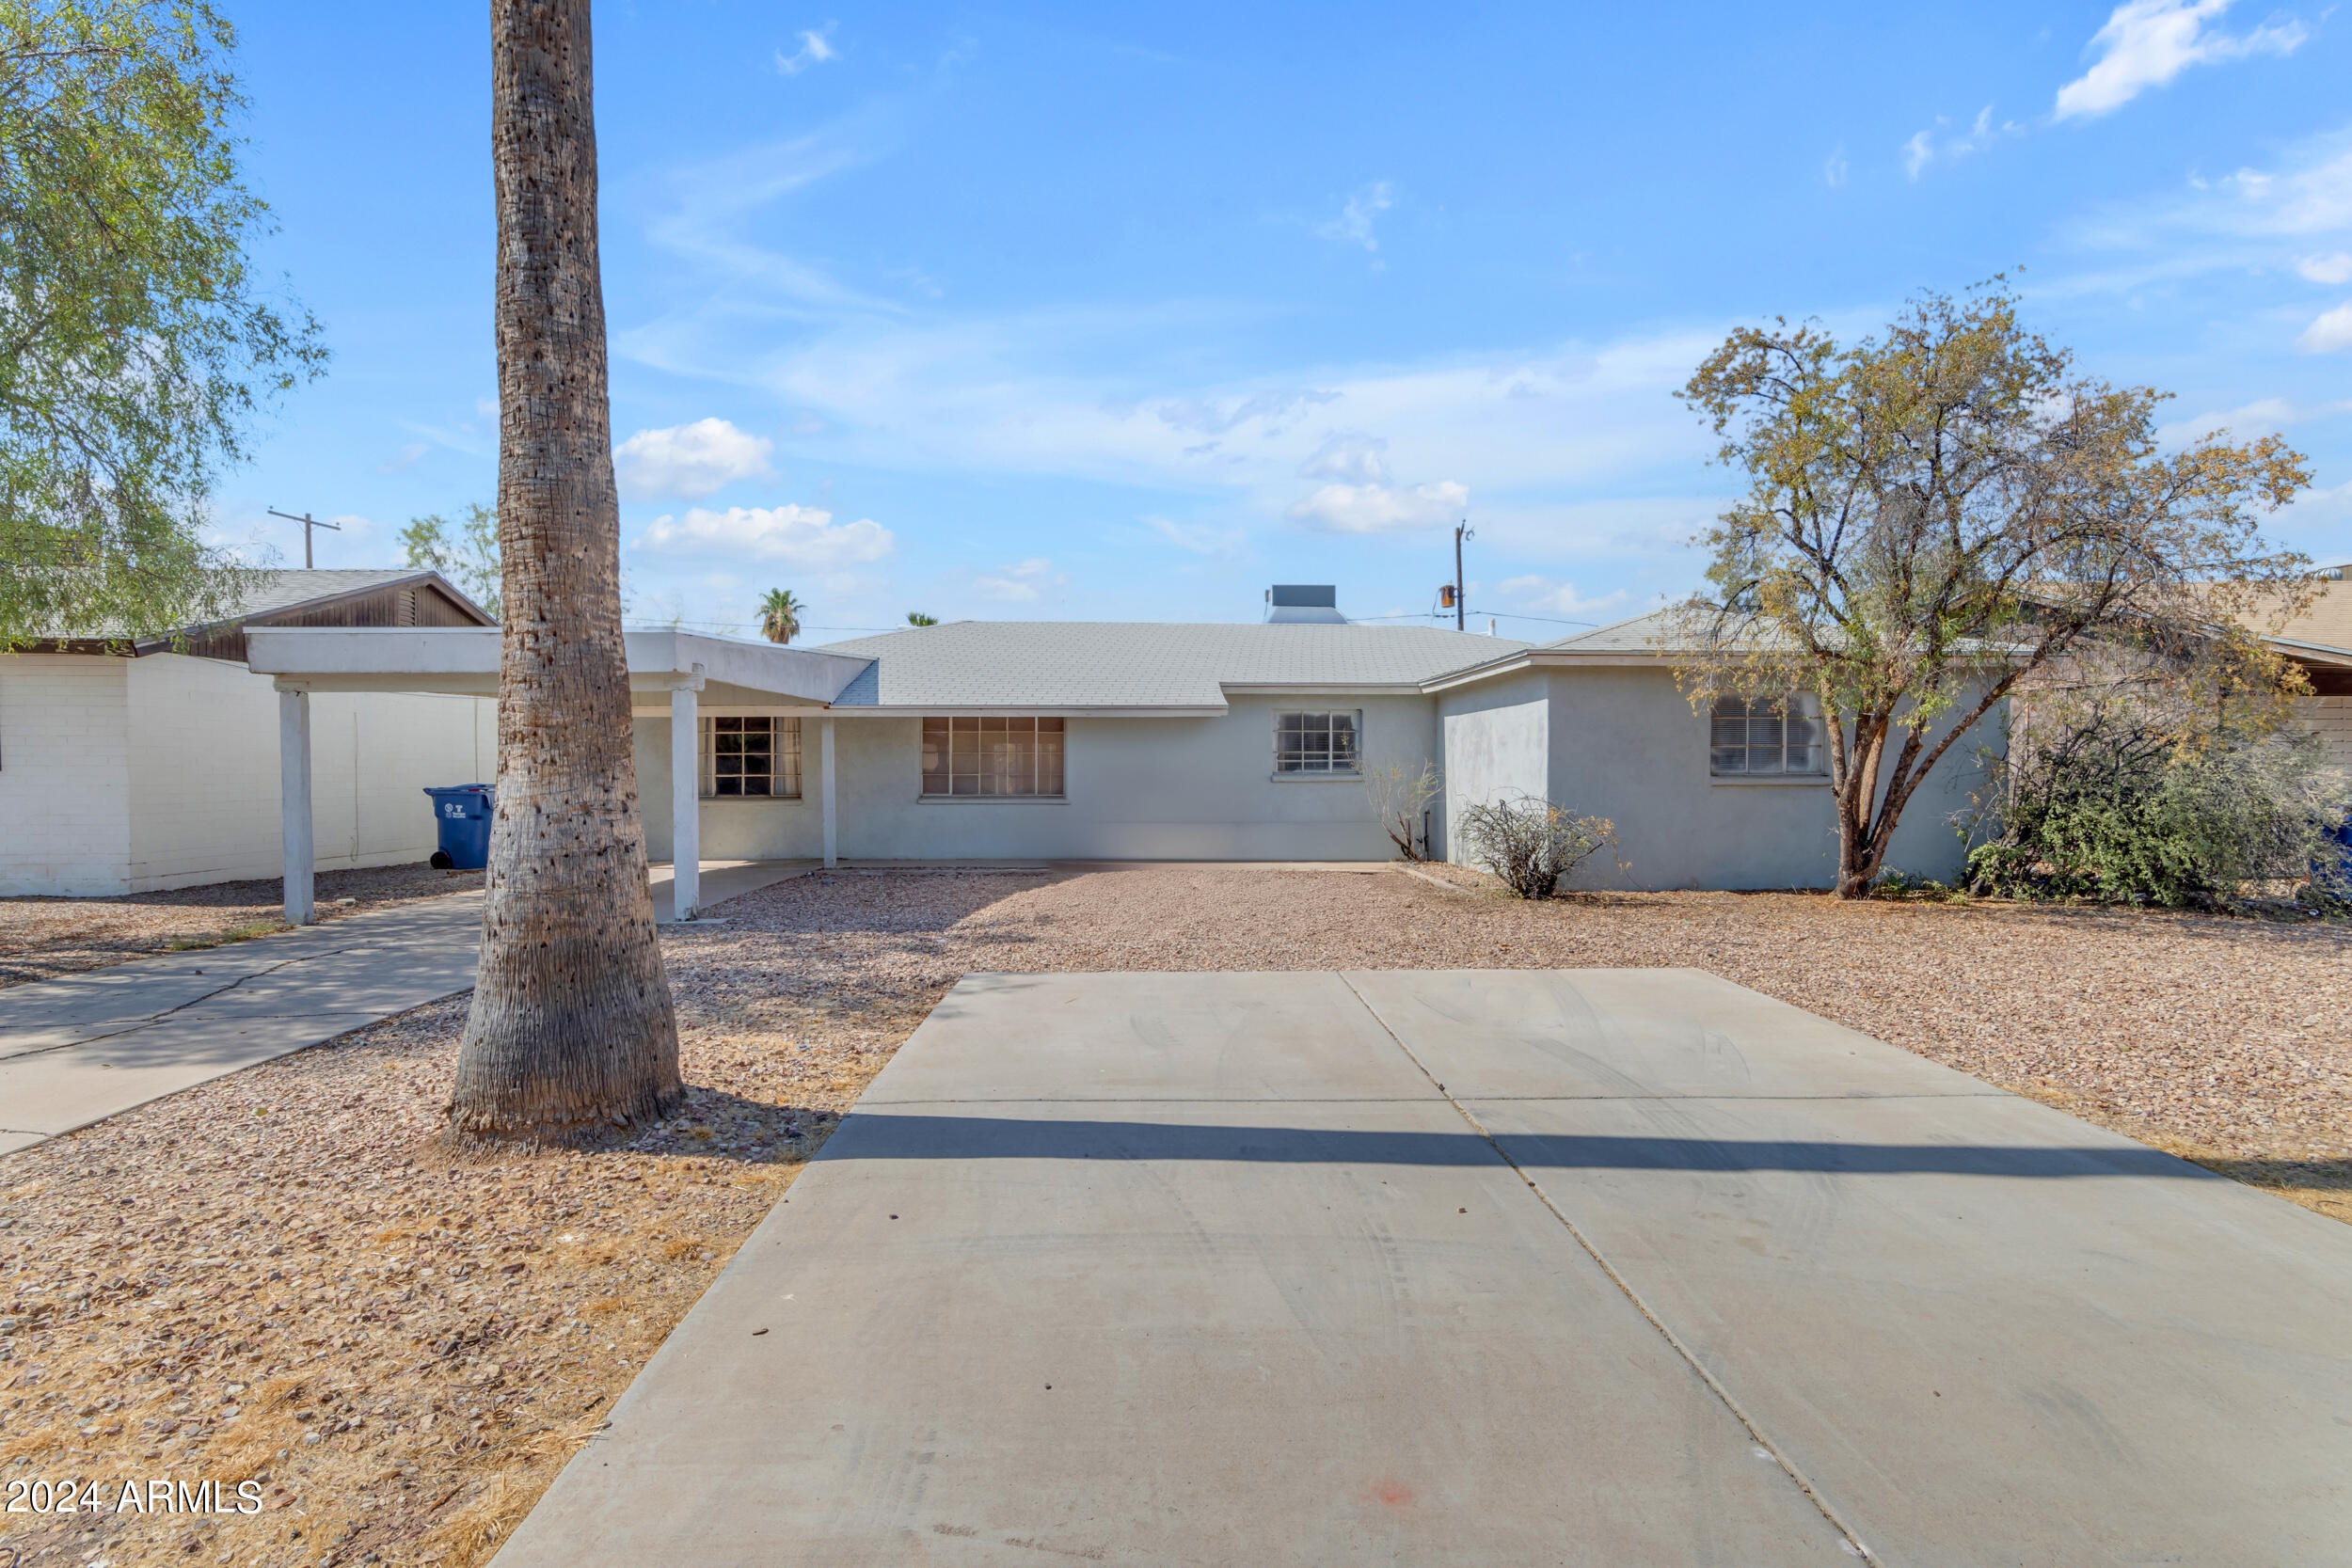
686, 828
293, 802
824, 786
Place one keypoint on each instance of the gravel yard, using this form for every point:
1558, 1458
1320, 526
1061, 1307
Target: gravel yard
275, 1277
41, 939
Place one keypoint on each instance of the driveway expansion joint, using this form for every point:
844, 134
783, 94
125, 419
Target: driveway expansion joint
1763, 1441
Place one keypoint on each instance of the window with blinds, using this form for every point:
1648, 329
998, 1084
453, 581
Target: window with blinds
985, 759
1752, 737
754, 758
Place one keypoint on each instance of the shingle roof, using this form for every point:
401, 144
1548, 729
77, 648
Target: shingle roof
1639, 634
283, 589
1080, 664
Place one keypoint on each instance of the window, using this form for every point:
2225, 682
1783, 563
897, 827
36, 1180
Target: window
756, 758
992, 759
1757, 737
1315, 742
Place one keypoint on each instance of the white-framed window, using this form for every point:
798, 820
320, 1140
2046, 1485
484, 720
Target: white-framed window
1761, 737
751, 758
1316, 743
992, 759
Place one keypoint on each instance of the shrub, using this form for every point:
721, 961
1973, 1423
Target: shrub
1399, 800
2109, 820
1532, 844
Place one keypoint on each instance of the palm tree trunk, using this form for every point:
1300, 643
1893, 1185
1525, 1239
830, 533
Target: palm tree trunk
571, 1032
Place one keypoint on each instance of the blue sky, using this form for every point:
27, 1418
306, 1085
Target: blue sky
1124, 312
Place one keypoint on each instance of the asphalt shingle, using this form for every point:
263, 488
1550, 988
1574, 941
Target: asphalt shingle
1075, 664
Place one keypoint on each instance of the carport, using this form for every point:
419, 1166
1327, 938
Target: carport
670, 675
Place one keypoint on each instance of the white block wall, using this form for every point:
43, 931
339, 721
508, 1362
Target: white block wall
205, 773
122, 775
65, 818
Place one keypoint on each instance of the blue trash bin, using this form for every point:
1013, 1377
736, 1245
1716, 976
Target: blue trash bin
462, 812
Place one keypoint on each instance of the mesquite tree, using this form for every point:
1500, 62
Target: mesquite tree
1938, 516
571, 1032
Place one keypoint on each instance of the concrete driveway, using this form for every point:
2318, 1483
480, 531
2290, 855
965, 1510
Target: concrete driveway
1591, 1266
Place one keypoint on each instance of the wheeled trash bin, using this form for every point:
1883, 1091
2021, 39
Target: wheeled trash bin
462, 812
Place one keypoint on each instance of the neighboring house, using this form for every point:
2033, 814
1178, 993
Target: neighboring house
2320, 640
133, 764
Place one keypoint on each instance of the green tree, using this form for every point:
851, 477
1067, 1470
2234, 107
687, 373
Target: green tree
780, 615
916, 618
467, 553
1939, 516
135, 345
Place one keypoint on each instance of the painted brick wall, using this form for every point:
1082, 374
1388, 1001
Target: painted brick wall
64, 782
205, 773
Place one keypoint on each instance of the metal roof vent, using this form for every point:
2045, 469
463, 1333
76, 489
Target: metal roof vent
1308, 603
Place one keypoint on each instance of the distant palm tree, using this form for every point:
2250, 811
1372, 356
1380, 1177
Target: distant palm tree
780, 615
916, 618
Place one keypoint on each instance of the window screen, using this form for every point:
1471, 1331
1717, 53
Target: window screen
755, 757
992, 758
1759, 737
1315, 743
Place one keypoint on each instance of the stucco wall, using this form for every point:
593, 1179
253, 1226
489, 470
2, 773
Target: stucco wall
1624, 744
1136, 789
205, 773
1496, 746
65, 804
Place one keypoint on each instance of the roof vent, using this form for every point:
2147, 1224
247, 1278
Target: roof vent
1311, 603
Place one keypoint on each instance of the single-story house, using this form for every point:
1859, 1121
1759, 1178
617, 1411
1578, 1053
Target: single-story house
1092, 741
135, 764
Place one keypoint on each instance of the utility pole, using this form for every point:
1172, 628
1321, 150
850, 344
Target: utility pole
310, 522
1461, 589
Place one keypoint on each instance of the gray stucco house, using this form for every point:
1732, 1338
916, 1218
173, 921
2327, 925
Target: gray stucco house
1148, 741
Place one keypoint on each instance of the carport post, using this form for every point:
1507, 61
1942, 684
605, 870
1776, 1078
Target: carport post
685, 828
293, 801
825, 783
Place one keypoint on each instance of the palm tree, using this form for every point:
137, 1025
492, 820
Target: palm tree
571, 1034
916, 618
780, 615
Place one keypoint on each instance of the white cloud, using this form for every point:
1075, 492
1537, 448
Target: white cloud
2146, 43
1541, 595
804, 536
2330, 333
1834, 168
815, 49
2262, 417
1199, 538
1023, 583
1354, 224
690, 460
1938, 141
1363, 497
1382, 508
2326, 269
403, 458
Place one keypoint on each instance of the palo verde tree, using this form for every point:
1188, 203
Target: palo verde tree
134, 346
1937, 518
571, 1033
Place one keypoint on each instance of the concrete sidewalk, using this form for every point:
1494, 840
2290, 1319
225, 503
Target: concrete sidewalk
1629, 1266
81, 1049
